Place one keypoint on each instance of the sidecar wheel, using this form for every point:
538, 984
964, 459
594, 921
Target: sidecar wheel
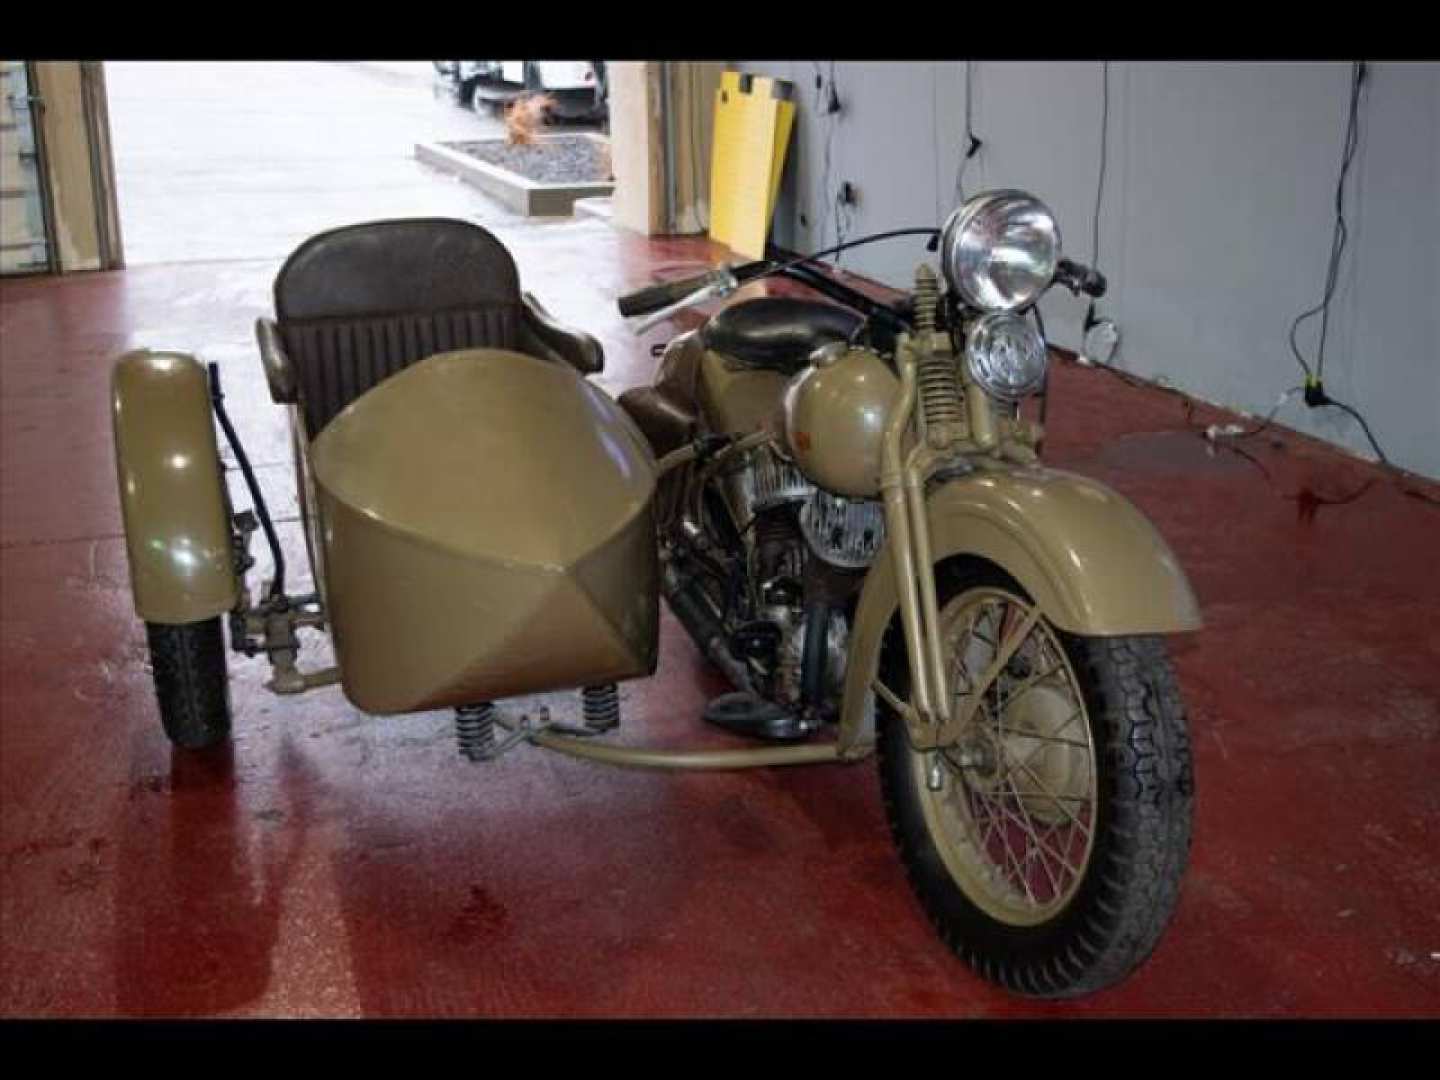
1050, 859
190, 682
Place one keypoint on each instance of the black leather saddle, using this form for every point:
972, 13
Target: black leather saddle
777, 333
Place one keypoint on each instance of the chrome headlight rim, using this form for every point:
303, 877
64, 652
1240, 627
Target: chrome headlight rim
967, 250
986, 359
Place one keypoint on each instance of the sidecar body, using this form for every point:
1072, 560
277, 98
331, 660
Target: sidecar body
477, 515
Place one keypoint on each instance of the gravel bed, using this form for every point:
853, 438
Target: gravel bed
563, 159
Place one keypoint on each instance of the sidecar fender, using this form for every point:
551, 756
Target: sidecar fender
172, 491
1095, 565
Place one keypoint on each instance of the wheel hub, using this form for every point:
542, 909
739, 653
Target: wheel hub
1046, 767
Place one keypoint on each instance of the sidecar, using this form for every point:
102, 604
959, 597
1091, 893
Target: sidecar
477, 515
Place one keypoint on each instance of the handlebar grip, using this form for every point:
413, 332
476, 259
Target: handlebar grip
654, 297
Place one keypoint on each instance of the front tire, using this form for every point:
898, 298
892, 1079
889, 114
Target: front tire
1050, 859
191, 685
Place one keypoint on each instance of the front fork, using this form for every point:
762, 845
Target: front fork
949, 421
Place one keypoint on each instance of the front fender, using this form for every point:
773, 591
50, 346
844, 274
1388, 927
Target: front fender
1093, 563
172, 494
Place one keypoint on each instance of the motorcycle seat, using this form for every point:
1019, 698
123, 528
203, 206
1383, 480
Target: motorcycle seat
777, 333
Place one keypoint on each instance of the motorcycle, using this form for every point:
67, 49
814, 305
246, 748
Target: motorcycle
840, 502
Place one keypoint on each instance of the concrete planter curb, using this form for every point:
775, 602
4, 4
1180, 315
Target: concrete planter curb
520, 194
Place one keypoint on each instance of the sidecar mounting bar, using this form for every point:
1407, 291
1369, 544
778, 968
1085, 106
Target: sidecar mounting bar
639, 757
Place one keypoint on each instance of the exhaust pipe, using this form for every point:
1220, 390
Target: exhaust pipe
696, 613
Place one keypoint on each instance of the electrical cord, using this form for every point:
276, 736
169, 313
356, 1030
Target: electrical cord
1228, 441
1314, 388
1104, 155
828, 97
1339, 236
972, 144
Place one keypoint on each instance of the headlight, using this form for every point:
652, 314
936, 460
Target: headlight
1000, 249
1006, 356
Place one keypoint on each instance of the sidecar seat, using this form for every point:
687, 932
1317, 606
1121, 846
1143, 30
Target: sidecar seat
357, 304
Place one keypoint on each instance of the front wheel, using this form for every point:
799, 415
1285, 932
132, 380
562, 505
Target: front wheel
1048, 847
191, 685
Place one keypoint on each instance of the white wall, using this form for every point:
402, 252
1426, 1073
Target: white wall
1216, 222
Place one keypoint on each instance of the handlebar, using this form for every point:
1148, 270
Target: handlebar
1079, 278
654, 297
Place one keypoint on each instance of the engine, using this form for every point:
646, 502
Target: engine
797, 553
844, 532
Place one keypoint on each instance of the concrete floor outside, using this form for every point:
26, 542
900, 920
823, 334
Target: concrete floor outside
219, 160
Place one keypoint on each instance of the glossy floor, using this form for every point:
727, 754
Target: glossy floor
336, 864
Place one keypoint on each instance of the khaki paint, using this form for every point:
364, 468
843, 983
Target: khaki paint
486, 531
737, 400
1092, 562
835, 417
172, 492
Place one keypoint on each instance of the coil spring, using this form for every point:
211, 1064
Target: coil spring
927, 298
600, 707
475, 730
935, 376
939, 391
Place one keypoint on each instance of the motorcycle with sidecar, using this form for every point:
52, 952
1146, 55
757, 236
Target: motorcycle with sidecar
839, 499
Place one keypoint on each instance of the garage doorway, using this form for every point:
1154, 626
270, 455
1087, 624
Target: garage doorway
244, 160
25, 221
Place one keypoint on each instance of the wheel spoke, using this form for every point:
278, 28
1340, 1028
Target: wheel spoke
1025, 762
1023, 824
1048, 794
1025, 687
1007, 850
991, 819
1015, 830
1046, 738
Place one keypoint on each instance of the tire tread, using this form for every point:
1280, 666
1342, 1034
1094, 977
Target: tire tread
1137, 866
191, 685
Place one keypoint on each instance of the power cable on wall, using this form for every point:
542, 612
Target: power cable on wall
1091, 320
1314, 389
827, 101
1339, 235
971, 146
1104, 156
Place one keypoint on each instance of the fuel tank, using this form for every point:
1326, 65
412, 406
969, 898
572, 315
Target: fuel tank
737, 400
835, 414
487, 532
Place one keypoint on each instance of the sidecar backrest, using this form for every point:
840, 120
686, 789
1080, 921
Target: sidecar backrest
357, 304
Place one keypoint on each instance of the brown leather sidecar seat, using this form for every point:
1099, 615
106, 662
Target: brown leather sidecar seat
357, 304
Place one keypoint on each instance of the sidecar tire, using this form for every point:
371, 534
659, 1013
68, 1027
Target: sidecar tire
191, 684
1145, 795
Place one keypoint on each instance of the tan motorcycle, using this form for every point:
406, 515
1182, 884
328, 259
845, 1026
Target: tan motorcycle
841, 504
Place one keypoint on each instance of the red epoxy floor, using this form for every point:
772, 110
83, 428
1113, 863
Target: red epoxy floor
336, 864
